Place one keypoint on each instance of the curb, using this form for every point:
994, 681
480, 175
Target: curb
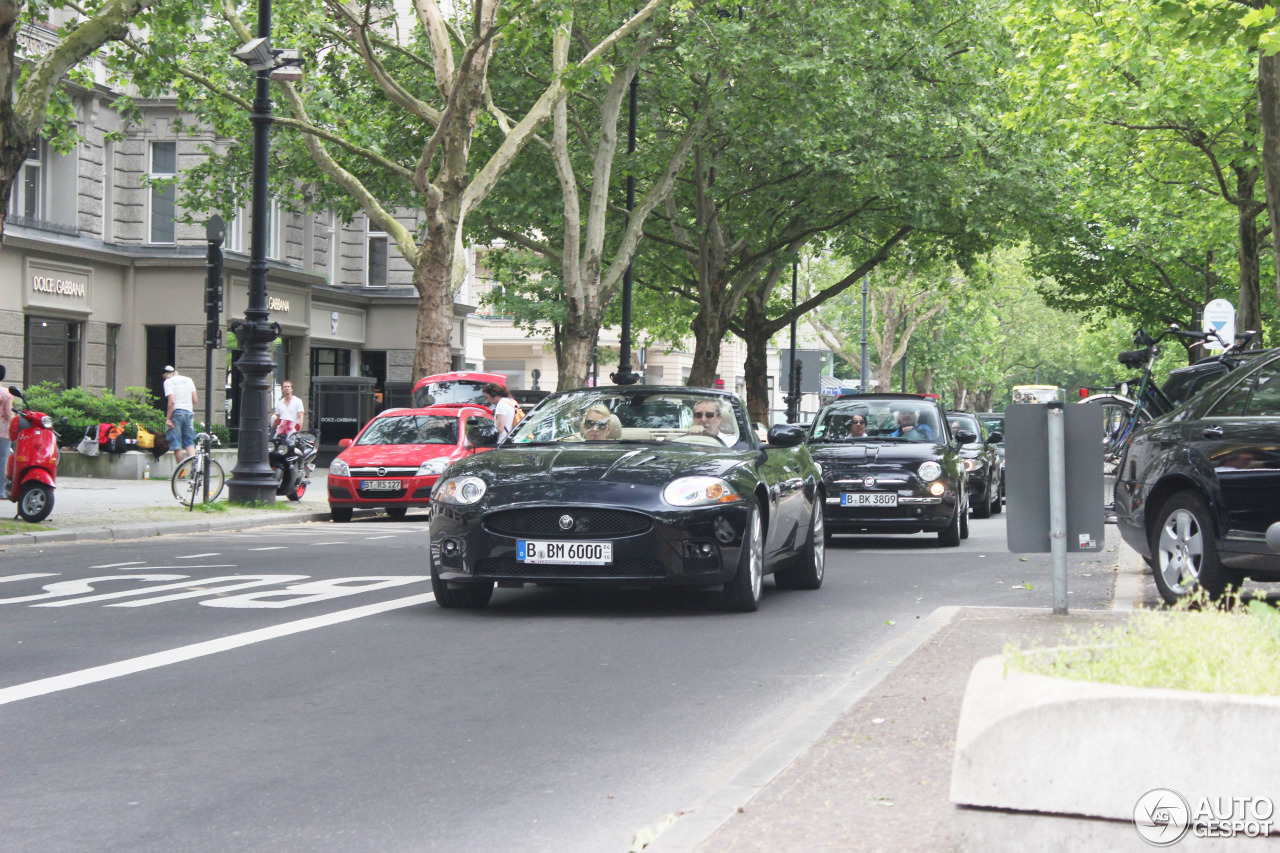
166, 528
1130, 567
701, 821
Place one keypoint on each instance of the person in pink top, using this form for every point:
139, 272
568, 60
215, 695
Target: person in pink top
6, 415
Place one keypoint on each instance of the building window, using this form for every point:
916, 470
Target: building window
334, 246
234, 241
162, 347
275, 231
28, 190
330, 361
113, 344
376, 266
52, 352
164, 166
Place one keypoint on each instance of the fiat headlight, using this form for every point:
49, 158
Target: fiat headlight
699, 491
432, 467
929, 471
338, 468
461, 490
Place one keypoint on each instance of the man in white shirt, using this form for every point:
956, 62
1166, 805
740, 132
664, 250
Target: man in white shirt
288, 416
503, 406
179, 416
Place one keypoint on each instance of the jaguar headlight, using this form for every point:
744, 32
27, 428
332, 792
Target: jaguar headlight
463, 491
338, 468
433, 466
929, 470
699, 491
972, 464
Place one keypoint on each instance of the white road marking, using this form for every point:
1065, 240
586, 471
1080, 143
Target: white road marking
328, 543
184, 653
202, 586
7, 578
195, 556
390, 536
118, 565
270, 548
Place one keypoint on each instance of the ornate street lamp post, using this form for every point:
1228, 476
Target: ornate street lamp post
252, 479
793, 380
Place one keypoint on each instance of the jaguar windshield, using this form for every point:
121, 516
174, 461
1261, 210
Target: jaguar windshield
634, 415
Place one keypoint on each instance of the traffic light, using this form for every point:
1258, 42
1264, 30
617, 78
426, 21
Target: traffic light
213, 298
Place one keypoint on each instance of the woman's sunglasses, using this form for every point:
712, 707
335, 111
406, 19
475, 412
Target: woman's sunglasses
596, 424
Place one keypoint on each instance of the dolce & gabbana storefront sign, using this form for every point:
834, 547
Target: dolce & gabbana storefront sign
55, 285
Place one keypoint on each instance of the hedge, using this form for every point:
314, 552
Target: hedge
84, 409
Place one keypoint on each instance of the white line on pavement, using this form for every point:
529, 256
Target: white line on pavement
270, 548
194, 556
391, 536
327, 543
196, 650
118, 565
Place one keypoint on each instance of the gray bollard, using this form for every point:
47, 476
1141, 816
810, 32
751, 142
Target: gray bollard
1273, 537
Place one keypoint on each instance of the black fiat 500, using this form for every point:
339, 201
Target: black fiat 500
633, 486
891, 465
983, 462
1198, 487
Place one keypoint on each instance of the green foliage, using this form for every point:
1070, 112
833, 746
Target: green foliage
1196, 647
83, 409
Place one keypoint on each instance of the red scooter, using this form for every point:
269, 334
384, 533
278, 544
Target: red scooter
33, 462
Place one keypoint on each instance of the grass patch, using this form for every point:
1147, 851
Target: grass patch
11, 525
283, 505
1193, 646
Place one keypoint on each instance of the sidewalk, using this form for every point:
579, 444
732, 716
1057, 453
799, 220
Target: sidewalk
87, 509
871, 770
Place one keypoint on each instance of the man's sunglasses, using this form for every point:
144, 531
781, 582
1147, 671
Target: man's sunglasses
706, 415
597, 424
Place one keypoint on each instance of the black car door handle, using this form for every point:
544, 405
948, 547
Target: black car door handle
1213, 432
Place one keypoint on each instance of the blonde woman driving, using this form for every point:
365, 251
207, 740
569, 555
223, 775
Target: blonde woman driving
599, 424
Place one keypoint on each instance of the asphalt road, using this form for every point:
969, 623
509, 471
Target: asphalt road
178, 694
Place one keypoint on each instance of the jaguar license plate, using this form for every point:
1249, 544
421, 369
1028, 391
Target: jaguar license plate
868, 499
380, 485
565, 553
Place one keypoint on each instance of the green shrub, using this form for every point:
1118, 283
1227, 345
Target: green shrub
1195, 647
84, 409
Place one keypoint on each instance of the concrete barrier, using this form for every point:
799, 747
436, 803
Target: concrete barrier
131, 465
1058, 764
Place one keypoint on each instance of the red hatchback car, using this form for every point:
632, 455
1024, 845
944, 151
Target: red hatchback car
398, 456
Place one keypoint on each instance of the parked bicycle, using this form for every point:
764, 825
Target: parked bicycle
1129, 405
195, 472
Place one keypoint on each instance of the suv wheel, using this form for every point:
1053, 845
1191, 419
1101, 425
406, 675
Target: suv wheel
1184, 551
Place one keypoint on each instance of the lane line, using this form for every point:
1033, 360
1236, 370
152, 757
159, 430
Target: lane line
118, 565
95, 674
328, 543
195, 556
270, 548
389, 536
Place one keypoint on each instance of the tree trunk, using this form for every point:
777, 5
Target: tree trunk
756, 335
1249, 303
434, 350
1269, 98
574, 364
709, 329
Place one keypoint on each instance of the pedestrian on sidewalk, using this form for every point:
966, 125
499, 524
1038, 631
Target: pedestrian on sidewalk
6, 415
180, 413
288, 416
503, 405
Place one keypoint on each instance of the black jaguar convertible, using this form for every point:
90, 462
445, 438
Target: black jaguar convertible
632, 486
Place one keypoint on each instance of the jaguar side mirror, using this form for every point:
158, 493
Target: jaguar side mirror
786, 435
995, 437
963, 436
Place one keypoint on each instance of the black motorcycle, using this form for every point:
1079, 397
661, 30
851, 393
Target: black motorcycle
293, 458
